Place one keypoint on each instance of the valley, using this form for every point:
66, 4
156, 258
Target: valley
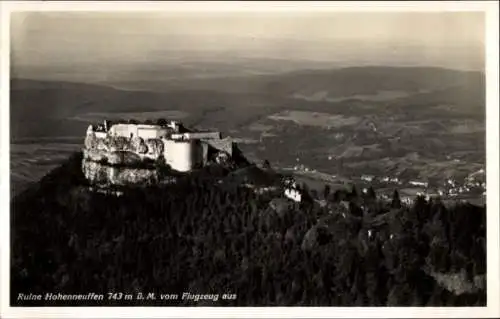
414, 123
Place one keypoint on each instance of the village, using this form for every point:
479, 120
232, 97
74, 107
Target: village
472, 186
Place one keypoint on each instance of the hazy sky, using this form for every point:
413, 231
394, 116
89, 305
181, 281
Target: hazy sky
436, 39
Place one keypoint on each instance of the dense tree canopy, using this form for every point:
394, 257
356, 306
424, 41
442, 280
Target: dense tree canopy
196, 236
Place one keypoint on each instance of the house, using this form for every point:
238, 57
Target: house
367, 178
418, 183
394, 180
294, 194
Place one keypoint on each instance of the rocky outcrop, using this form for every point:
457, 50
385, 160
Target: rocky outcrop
105, 175
121, 161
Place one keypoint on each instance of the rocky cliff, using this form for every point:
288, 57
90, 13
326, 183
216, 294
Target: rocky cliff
105, 175
120, 161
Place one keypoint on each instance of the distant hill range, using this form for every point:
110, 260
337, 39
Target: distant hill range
341, 82
43, 111
412, 86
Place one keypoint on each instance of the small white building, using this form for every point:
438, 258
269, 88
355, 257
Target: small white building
367, 178
406, 200
293, 194
418, 183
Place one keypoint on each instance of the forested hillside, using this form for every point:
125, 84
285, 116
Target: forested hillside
200, 238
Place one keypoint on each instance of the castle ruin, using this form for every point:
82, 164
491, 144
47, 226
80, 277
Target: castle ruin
121, 147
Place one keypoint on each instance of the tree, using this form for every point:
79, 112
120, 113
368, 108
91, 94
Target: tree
354, 193
355, 210
371, 193
396, 201
326, 191
305, 188
165, 234
266, 164
338, 196
161, 122
314, 194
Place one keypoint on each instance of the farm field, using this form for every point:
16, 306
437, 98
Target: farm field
315, 119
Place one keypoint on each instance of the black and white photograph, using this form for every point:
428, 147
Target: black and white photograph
241, 158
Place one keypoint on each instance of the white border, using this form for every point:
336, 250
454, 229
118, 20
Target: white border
492, 124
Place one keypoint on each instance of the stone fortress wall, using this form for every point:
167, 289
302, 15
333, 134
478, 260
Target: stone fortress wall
115, 153
128, 144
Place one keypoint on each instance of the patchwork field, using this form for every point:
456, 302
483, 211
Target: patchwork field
466, 127
315, 119
380, 96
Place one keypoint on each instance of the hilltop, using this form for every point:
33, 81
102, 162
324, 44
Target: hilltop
196, 236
